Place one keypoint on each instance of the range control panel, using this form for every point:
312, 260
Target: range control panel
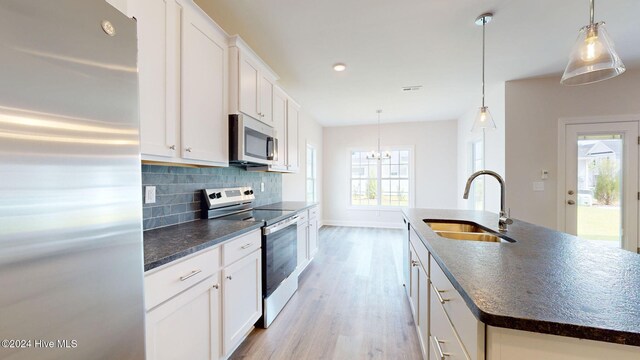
216, 198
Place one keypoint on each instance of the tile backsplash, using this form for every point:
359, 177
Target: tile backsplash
178, 190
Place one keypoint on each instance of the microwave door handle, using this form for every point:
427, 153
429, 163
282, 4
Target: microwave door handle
271, 141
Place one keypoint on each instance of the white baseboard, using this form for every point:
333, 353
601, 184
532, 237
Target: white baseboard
368, 224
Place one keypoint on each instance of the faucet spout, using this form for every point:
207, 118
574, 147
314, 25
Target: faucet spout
504, 220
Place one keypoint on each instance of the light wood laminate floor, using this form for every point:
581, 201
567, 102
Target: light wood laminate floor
350, 304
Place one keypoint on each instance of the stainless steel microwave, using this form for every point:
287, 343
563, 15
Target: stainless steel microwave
251, 142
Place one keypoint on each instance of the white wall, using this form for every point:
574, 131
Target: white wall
533, 108
494, 149
435, 168
294, 185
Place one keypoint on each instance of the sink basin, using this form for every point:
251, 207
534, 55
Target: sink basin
464, 230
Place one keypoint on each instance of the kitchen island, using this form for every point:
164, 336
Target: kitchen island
546, 282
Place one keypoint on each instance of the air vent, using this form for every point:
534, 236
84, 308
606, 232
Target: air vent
412, 88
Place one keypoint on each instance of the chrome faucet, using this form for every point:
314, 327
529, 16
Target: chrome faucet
504, 220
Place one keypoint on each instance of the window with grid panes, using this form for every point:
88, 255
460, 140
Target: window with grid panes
383, 183
477, 188
312, 170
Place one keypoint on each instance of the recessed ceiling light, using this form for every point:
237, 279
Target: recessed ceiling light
339, 67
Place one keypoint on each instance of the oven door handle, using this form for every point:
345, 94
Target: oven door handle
281, 225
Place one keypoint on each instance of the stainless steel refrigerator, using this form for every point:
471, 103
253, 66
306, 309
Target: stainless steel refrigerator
71, 268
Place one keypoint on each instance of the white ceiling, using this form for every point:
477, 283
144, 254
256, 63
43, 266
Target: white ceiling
434, 43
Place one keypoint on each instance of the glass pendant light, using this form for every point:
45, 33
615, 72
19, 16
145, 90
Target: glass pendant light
593, 57
483, 119
373, 155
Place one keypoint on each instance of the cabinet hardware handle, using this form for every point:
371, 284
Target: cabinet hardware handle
172, 147
188, 149
246, 246
442, 300
193, 273
442, 355
414, 262
216, 286
229, 277
571, 202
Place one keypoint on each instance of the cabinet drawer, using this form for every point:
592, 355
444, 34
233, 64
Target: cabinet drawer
240, 247
313, 212
468, 328
421, 250
443, 339
179, 276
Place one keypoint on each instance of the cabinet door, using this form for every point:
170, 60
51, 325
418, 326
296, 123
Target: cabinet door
203, 76
280, 125
242, 298
266, 100
313, 237
303, 253
415, 283
423, 308
249, 87
293, 114
157, 124
187, 326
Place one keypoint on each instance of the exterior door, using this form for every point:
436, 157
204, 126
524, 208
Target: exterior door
601, 183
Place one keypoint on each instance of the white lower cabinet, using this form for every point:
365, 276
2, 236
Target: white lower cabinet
313, 233
204, 305
187, 326
434, 302
307, 237
419, 298
303, 234
242, 304
414, 275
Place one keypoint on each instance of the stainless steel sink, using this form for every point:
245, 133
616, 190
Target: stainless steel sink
463, 230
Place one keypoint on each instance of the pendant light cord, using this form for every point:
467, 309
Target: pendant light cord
591, 12
484, 22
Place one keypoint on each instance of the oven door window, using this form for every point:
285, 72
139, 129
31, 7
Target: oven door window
255, 144
281, 254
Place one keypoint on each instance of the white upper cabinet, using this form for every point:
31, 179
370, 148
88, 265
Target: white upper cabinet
251, 83
249, 78
182, 62
266, 99
157, 127
280, 125
204, 125
293, 120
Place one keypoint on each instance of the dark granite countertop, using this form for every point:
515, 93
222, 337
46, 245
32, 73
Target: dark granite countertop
546, 282
288, 205
170, 243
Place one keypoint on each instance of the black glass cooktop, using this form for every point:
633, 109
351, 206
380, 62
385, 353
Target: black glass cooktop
267, 216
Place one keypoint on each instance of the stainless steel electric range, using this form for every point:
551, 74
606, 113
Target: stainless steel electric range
279, 243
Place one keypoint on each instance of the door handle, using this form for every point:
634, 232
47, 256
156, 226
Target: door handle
571, 202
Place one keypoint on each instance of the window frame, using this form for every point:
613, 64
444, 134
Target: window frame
480, 181
313, 178
378, 206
